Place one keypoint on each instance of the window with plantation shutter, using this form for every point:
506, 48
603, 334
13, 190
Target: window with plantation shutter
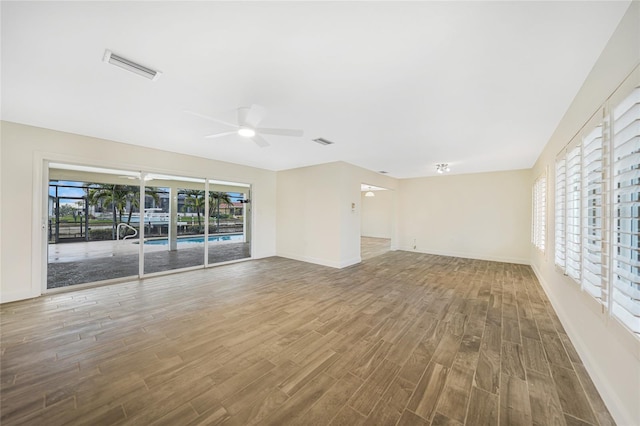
597, 205
561, 173
593, 277
538, 232
572, 216
626, 211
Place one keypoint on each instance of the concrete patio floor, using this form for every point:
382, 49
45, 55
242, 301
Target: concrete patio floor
85, 262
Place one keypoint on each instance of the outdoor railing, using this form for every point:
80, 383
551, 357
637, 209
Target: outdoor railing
135, 231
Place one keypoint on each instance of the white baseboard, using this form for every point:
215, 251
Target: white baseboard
598, 377
323, 262
6, 297
465, 255
352, 261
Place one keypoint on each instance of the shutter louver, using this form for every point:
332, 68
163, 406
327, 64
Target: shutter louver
573, 249
560, 228
626, 211
593, 277
538, 234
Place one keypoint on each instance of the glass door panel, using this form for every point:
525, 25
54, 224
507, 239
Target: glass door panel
93, 225
229, 216
174, 220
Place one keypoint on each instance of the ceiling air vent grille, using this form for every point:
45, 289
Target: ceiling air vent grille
323, 141
131, 66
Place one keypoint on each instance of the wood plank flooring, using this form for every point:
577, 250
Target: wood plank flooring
400, 339
371, 247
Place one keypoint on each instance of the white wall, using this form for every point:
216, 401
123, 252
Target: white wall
480, 216
308, 222
23, 149
316, 222
610, 353
353, 177
377, 214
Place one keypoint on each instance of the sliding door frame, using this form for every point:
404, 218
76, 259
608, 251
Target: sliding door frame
39, 231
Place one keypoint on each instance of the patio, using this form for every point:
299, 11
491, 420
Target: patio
85, 262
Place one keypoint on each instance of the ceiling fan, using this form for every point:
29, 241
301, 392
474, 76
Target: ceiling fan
248, 119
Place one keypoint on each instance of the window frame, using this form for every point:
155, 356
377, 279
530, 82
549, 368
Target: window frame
539, 207
597, 207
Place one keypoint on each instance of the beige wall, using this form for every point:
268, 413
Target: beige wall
316, 221
308, 223
610, 353
23, 151
377, 214
353, 178
480, 216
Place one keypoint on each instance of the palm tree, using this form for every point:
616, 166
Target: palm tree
119, 197
215, 199
195, 199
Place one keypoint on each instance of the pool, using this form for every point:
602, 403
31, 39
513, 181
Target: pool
192, 240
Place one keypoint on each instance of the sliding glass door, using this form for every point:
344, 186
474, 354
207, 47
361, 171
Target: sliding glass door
174, 232
229, 214
93, 225
99, 223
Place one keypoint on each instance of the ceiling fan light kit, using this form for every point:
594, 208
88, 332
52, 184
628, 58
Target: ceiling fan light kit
248, 119
246, 132
442, 168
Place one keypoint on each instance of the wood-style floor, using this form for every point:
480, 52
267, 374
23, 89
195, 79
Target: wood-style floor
371, 247
403, 338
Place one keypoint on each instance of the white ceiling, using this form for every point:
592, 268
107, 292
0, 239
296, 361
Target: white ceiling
397, 86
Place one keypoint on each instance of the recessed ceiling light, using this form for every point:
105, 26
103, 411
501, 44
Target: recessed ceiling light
246, 132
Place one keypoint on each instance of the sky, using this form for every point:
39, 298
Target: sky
77, 191
67, 192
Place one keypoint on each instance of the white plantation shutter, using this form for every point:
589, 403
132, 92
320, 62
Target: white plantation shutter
538, 233
593, 206
573, 249
597, 205
626, 211
560, 229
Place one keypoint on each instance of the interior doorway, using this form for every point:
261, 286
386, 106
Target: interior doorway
376, 221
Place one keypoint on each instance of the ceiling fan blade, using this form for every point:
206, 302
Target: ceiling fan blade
215, 120
254, 116
219, 135
260, 141
241, 116
280, 132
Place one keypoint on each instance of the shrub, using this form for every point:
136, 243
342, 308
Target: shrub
100, 234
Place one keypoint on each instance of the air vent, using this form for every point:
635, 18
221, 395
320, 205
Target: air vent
131, 66
323, 141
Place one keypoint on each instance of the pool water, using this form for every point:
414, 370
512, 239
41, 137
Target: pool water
212, 238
